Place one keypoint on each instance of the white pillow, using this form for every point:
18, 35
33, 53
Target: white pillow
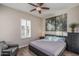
50, 38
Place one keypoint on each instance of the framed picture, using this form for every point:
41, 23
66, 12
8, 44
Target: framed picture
57, 23
50, 24
61, 23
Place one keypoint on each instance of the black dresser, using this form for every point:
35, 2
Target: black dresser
73, 42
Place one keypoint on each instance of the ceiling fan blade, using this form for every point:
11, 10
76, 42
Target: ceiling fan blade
40, 4
44, 7
39, 12
32, 10
32, 4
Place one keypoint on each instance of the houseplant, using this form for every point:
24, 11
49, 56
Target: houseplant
73, 26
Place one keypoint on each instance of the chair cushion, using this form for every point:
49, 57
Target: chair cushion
3, 45
10, 50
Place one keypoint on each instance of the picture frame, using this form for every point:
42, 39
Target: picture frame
57, 23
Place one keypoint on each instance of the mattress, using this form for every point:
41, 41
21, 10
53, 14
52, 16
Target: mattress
51, 48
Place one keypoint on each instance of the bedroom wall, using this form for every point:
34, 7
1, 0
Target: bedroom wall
10, 26
72, 16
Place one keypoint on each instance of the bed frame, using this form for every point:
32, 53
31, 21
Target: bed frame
36, 51
40, 53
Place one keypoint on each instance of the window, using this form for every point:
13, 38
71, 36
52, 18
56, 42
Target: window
25, 28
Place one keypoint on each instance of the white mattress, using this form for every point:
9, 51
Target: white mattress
51, 48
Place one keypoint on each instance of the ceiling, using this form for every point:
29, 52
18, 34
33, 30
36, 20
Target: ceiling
53, 7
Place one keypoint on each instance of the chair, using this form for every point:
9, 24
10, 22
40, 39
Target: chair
9, 49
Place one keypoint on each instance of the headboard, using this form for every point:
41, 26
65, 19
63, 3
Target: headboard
54, 35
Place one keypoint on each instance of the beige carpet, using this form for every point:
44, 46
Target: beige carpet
26, 52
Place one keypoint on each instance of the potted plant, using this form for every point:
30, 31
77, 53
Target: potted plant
73, 26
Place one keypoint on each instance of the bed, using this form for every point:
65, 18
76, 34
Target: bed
48, 47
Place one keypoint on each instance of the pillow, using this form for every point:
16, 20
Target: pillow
54, 38
50, 38
3, 44
60, 38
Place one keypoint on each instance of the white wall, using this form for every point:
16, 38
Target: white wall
10, 26
72, 16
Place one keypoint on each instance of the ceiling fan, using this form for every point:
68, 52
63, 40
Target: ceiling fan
38, 7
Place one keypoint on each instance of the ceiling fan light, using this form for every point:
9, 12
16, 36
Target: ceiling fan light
38, 8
